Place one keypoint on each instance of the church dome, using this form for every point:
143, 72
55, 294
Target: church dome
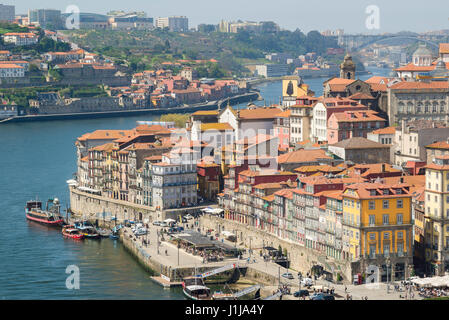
422, 51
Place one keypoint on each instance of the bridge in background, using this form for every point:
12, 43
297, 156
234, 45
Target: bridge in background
359, 42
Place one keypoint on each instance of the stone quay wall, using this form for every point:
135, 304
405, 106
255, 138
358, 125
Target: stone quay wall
301, 258
91, 207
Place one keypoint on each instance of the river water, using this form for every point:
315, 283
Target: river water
36, 159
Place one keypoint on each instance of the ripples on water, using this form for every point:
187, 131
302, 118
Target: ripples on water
36, 159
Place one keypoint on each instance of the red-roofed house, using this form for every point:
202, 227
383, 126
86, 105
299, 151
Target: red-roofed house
349, 124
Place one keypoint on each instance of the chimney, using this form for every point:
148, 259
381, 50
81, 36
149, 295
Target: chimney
383, 167
401, 180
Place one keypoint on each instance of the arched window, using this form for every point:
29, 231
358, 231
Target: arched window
410, 107
442, 107
401, 108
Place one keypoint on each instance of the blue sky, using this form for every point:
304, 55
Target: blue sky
395, 15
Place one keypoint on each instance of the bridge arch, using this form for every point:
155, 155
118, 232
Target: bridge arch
434, 44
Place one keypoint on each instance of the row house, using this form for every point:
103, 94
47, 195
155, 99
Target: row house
379, 220
22, 63
301, 119
174, 179
20, 38
349, 124
281, 129
58, 57
323, 110
238, 202
208, 180
437, 213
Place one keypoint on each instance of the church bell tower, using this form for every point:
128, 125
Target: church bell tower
347, 68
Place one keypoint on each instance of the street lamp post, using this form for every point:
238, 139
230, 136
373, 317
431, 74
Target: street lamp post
387, 262
178, 251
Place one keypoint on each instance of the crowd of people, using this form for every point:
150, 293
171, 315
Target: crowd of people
433, 292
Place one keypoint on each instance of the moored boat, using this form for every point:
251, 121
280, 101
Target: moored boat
89, 232
194, 289
51, 216
87, 229
70, 231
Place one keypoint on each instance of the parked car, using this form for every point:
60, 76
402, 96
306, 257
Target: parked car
322, 296
163, 224
157, 223
307, 282
301, 293
188, 216
288, 275
141, 231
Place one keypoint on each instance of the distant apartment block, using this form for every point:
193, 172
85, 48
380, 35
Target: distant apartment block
20, 38
7, 13
174, 23
234, 27
46, 18
11, 71
272, 70
131, 21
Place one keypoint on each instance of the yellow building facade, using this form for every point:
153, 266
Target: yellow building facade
378, 219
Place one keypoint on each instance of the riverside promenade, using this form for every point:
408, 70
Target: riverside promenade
176, 264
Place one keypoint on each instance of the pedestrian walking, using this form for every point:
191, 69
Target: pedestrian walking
346, 289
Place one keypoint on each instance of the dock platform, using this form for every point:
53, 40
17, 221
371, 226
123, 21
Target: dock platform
166, 284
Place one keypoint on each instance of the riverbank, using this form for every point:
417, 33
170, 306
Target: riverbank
213, 105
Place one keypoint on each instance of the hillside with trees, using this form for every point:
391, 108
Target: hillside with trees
140, 49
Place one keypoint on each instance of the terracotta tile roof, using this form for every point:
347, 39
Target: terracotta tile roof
9, 66
361, 96
375, 168
444, 48
378, 80
104, 147
216, 126
286, 193
284, 114
206, 113
415, 85
154, 158
259, 113
412, 67
415, 181
387, 130
303, 155
335, 194
273, 185
363, 190
378, 87
359, 143
439, 145
105, 135
357, 116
